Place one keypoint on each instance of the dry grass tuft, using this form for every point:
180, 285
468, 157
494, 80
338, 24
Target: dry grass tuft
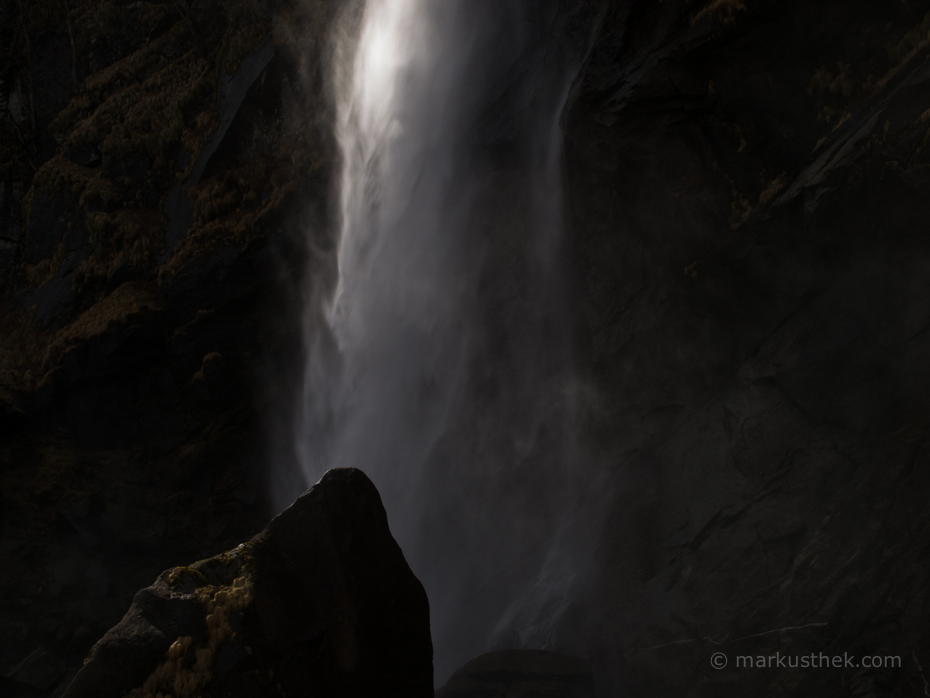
132, 235
28, 354
725, 11
837, 84
900, 53
917, 39
100, 86
22, 345
838, 81
187, 668
129, 302
741, 208
162, 97
42, 272
770, 191
152, 118
230, 207
88, 184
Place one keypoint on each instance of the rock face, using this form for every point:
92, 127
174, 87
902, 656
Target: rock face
141, 359
321, 602
521, 674
748, 198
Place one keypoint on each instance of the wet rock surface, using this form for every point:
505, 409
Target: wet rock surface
521, 674
321, 602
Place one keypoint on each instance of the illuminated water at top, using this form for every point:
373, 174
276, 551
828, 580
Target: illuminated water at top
449, 379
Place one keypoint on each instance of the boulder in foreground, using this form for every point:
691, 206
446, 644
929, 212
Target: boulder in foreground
320, 603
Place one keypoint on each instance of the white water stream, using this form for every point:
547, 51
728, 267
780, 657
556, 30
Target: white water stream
449, 380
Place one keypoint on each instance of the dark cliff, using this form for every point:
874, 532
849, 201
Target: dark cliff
161, 163
748, 206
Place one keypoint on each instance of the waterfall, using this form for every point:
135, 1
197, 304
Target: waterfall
442, 364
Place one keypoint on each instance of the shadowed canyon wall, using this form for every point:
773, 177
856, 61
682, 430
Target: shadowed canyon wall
748, 214
162, 165
745, 258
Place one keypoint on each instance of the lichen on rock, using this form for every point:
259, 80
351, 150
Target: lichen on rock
189, 666
320, 602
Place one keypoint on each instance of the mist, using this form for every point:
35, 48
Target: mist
440, 363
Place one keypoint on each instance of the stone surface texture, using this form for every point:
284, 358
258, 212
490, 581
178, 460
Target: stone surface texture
141, 370
747, 202
521, 674
321, 602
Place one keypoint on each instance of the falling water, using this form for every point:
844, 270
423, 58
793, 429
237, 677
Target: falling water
443, 366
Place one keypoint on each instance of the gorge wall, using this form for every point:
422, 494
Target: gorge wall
162, 166
745, 205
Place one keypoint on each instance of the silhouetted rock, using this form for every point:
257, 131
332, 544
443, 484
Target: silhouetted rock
521, 674
321, 602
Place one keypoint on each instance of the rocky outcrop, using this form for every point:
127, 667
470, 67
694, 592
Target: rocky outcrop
321, 602
521, 673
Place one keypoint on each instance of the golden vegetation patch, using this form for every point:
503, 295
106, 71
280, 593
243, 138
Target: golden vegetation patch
150, 119
922, 122
129, 302
97, 88
771, 190
741, 208
837, 79
725, 11
22, 346
28, 354
188, 668
132, 235
162, 97
42, 272
900, 52
88, 184
917, 39
837, 85
840, 91
230, 207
